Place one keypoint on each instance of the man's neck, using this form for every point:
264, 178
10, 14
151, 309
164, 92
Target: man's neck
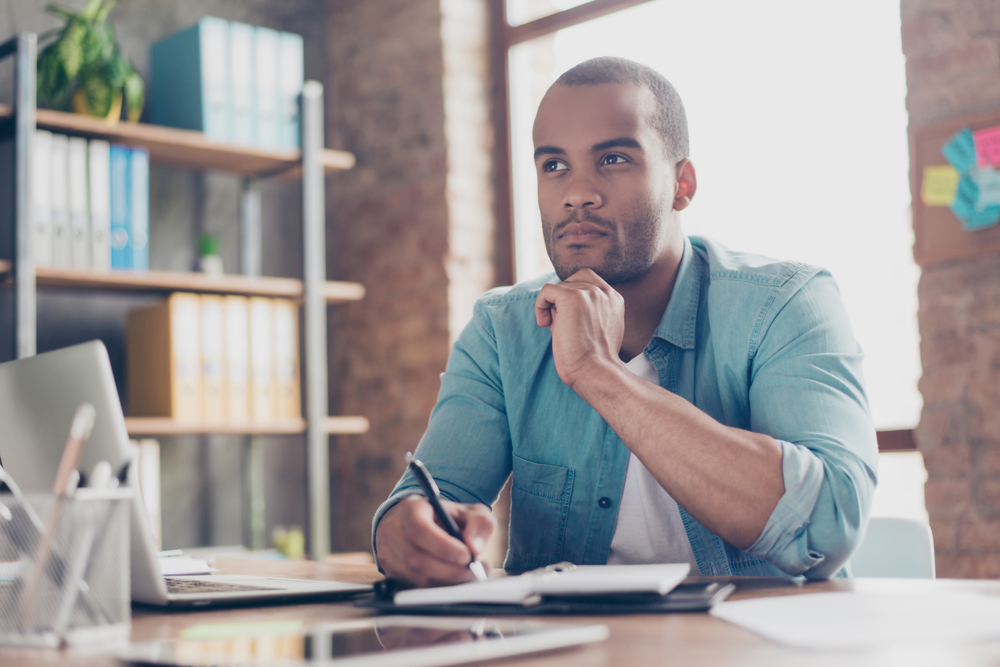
646, 300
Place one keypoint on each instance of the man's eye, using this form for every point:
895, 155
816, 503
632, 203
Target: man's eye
554, 165
613, 159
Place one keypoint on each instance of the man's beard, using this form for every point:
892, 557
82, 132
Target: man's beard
626, 260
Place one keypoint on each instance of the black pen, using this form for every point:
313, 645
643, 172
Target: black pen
433, 494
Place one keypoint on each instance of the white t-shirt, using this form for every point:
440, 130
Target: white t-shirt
649, 528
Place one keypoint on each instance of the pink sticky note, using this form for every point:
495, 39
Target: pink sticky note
987, 144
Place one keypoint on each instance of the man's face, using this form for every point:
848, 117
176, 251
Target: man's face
605, 184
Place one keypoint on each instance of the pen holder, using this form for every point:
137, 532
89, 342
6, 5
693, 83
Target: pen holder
64, 569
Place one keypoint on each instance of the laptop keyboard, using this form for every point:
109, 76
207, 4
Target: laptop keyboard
177, 586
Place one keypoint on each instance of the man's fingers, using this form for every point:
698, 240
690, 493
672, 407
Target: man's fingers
477, 524
543, 306
423, 532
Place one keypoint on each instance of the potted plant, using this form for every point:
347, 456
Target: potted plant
83, 70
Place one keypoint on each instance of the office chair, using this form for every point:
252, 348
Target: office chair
895, 548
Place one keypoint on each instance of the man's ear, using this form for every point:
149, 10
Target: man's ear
687, 184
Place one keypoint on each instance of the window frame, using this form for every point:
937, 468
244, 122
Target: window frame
503, 37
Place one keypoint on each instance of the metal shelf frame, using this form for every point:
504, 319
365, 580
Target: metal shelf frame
23, 48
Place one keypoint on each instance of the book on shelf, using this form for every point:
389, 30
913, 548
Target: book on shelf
263, 394
240, 79
237, 327
79, 215
119, 191
267, 91
286, 358
291, 78
138, 208
41, 188
99, 180
189, 73
164, 359
59, 197
214, 360
234, 82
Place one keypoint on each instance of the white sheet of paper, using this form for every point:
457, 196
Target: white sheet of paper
585, 579
863, 620
175, 566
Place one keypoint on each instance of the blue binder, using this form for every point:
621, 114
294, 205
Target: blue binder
139, 209
121, 251
190, 79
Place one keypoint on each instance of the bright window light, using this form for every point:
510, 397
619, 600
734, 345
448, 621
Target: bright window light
798, 134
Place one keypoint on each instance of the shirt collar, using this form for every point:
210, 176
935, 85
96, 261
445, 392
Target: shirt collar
677, 326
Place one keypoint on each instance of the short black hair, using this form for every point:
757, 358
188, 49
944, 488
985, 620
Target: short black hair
670, 119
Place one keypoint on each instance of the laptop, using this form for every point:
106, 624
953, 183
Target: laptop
38, 398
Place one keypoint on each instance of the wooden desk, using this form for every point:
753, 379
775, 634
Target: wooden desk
636, 641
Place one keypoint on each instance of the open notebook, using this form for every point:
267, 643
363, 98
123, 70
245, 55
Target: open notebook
559, 580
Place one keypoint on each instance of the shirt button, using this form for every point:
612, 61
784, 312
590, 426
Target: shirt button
604, 502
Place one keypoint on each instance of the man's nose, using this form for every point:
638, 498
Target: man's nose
581, 192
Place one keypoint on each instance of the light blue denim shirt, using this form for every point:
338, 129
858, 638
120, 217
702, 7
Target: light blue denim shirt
755, 343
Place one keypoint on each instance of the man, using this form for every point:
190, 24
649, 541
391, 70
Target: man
664, 400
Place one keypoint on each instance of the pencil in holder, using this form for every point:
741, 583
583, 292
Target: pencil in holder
64, 569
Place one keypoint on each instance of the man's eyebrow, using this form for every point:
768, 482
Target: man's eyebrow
620, 142
548, 150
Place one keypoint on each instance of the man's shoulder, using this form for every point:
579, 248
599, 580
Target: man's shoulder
723, 264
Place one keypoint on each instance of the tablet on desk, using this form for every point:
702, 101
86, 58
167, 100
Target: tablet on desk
372, 642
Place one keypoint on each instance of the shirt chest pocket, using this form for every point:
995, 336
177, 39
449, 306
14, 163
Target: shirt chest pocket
540, 497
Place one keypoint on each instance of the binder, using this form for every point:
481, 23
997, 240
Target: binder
213, 360
291, 77
79, 215
41, 188
263, 398
286, 355
138, 239
190, 79
121, 257
164, 359
237, 352
241, 83
99, 180
61, 253
267, 92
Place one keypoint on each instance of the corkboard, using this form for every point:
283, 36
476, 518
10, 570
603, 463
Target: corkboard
937, 234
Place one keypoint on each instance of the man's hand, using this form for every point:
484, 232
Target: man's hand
413, 547
587, 320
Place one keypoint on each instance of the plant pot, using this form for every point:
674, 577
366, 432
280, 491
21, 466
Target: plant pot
81, 106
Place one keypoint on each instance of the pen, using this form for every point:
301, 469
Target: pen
433, 494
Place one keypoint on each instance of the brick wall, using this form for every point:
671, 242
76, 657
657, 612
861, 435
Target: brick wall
407, 94
952, 50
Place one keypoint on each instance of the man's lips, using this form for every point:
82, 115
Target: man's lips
581, 232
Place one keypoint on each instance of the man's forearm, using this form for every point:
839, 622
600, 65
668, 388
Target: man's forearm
728, 479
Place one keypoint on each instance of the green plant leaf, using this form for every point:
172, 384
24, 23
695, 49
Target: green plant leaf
103, 14
62, 12
70, 48
99, 94
89, 12
135, 96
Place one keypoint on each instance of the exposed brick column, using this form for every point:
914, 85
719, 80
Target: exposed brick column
412, 222
952, 53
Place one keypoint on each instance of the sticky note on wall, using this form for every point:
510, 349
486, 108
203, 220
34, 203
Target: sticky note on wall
939, 185
988, 182
960, 150
987, 146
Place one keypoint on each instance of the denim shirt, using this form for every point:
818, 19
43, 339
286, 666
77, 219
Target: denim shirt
755, 343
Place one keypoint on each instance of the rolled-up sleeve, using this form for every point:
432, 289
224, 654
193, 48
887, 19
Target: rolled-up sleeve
467, 443
807, 392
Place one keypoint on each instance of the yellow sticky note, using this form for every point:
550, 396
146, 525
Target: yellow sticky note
940, 183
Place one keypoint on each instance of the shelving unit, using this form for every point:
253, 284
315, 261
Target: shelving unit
191, 150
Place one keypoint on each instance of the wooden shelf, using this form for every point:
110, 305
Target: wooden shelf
160, 426
185, 148
179, 281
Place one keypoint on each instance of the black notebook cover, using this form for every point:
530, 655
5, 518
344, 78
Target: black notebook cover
687, 597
